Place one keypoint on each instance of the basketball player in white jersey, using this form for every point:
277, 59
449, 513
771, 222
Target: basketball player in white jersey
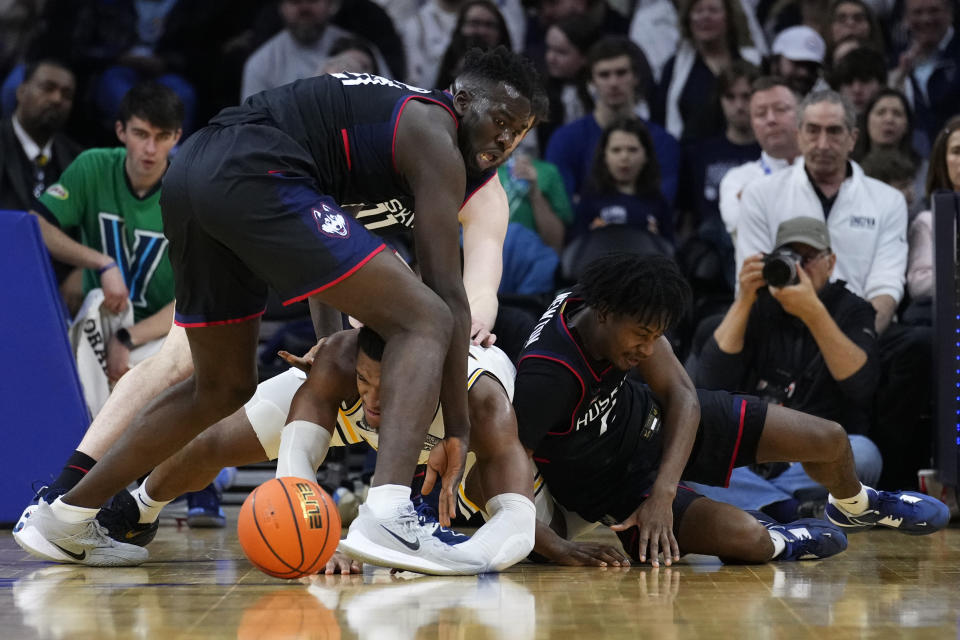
344, 385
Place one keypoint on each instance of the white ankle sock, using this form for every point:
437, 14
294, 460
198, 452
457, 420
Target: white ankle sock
68, 513
303, 446
855, 505
508, 536
149, 508
779, 543
383, 501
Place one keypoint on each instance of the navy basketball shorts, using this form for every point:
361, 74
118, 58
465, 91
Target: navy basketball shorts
243, 211
730, 429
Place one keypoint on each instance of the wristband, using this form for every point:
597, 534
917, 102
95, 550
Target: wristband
123, 337
106, 268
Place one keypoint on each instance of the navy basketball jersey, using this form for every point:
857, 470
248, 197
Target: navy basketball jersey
347, 122
613, 427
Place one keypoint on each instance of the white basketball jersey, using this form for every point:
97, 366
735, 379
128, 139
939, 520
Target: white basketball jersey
352, 428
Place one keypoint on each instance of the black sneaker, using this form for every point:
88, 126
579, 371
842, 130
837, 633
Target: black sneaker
121, 518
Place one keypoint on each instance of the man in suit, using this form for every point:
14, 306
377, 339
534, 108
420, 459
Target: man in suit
34, 151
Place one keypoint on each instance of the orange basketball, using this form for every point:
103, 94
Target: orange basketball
289, 527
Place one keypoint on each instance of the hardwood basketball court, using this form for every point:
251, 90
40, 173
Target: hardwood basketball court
198, 584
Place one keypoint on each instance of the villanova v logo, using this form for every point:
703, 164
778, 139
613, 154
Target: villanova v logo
138, 265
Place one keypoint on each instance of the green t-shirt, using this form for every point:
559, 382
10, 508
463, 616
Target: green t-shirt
551, 185
94, 195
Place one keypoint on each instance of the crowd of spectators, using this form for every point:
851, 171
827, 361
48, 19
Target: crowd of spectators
691, 128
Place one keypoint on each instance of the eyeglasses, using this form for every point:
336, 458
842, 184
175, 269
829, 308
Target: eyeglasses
806, 260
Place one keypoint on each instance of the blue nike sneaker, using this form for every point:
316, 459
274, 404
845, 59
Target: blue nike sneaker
427, 516
906, 511
807, 538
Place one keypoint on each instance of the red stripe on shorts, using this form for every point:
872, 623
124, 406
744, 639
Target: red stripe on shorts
333, 282
191, 325
736, 447
346, 147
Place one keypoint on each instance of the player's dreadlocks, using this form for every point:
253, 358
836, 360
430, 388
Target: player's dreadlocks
650, 289
502, 66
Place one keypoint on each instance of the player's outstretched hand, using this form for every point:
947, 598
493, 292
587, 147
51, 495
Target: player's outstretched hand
654, 520
342, 563
480, 334
304, 362
446, 462
589, 554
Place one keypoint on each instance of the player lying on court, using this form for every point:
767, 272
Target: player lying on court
342, 389
614, 450
251, 201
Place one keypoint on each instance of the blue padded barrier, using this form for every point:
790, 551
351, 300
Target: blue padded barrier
42, 412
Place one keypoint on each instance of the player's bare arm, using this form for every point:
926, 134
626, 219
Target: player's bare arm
671, 384
429, 159
484, 218
330, 381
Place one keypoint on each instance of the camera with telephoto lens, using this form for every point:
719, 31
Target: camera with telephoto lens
780, 267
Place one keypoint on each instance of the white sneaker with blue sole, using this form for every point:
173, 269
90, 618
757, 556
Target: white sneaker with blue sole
86, 542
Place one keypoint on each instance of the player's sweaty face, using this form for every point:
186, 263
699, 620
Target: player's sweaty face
368, 385
496, 120
629, 341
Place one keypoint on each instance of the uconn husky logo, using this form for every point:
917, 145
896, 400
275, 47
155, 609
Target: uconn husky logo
137, 264
331, 223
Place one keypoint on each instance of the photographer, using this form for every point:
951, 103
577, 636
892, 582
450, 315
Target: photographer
867, 219
808, 344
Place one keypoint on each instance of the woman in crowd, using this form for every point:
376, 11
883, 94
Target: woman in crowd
888, 125
711, 41
624, 185
479, 24
567, 40
944, 175
853, 19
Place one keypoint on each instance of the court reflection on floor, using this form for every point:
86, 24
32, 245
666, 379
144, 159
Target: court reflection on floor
878, 587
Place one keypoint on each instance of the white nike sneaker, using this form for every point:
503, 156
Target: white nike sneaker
403, 542
86, 542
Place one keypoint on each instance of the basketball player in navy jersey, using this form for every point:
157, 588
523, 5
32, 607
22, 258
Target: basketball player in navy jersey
614, 450
251, 201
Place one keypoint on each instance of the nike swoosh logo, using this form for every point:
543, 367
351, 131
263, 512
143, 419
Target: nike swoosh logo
76, 556
413, 546
129, 535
